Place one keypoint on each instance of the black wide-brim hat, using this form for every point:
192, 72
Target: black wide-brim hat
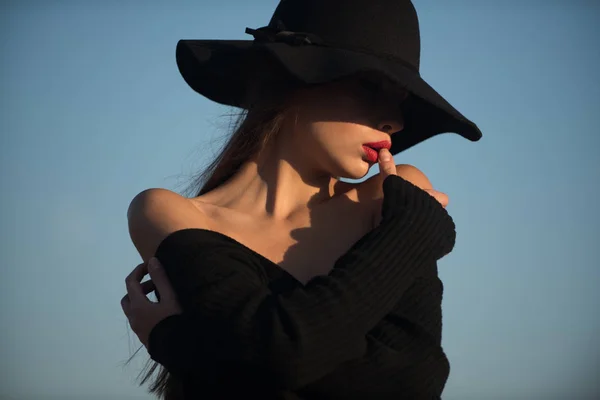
319, 41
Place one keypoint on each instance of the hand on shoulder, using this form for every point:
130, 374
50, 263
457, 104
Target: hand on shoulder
153, 214
406, 172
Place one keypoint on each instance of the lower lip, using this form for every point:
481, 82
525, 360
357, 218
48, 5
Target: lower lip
371, 154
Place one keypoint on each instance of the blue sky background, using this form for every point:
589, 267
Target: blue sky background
93, 110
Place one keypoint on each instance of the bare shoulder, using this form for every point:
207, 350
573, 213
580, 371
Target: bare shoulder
155, 213
372, 188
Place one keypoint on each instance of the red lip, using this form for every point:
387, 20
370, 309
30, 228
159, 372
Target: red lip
379, 145
371, 154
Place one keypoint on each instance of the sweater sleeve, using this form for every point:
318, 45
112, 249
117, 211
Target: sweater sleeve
302, 334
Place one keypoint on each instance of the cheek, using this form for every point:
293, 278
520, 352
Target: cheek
352, 111
337, 136
334, 125
338, 108
321, 136
336, 147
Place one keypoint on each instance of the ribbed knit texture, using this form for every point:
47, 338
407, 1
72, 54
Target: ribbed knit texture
371, 328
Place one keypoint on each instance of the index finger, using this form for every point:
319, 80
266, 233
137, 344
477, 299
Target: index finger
386, 163
133, 282
160, 279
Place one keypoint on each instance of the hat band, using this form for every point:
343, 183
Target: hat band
268, 34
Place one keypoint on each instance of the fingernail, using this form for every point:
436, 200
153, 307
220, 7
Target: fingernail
385, 155
153, 263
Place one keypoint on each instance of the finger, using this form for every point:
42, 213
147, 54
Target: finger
160, 279
148, 286
132, 283
386, 163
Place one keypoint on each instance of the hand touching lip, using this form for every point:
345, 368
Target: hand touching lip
372, 149
409, 173
384, 144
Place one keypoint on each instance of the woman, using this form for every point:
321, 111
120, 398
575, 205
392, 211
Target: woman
278, 280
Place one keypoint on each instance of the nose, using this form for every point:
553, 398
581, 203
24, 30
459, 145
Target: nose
390, 126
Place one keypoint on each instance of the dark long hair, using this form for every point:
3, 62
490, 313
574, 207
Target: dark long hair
254, 128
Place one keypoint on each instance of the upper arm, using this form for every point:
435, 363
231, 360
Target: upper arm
414, 175
372, 188
374, 185
155, 213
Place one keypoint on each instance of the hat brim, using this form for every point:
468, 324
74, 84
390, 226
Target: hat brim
217, 69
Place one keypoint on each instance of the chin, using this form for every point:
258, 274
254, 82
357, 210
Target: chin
356, 171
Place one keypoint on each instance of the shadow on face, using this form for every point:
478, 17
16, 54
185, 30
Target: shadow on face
329, 125
365, 100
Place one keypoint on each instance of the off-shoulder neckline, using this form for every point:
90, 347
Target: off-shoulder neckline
171, 236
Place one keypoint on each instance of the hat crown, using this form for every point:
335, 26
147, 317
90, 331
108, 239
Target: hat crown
383, 27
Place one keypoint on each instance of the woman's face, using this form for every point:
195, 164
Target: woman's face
333, 122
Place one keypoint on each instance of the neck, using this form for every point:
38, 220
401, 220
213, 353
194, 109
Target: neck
276, 185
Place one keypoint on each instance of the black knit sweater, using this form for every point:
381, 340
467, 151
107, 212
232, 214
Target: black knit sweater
369, 329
